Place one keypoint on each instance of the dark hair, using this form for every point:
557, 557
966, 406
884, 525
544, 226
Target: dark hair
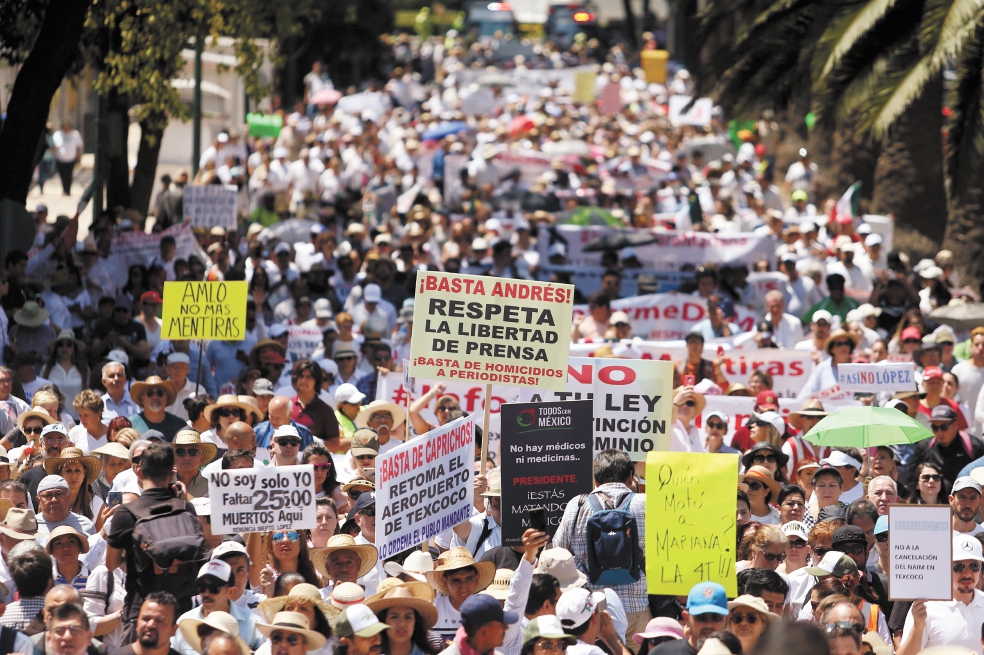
164, 599
13, 485
826, 586
311, 367
31, 572
418, 638
612, 272
759, 580
743, 498
230, 456
69, 611
832, 472
612, 466
319, 449
14, 257
916, 497
194, 405
579, 630
861, 508
288, 578
800, 637
599, 299
726, 638
543, 588
790, 490
157, 462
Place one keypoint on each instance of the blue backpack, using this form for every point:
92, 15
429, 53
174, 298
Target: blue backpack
614, 555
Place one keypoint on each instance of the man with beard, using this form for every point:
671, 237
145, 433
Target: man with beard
156, 624
153, 396
954, 622
707, 612
965, 501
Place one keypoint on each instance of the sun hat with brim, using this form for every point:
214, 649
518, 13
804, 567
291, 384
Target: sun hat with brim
807, 463
35, 412
755, 603
358, 621
417, 565
304, 591
661, 626
398, 413
812, 408
31, 314
559, 562
763, 475
231, 400
343, 595
293, 622
682, 395
20, 523
66, 335
403, 596
5, 506
365, 441
367, 554
494, 478
222, 621
192, 438
737, 389
499, 588
113, 449
63, 530
456, 559
254, 352
781, 458
358, 482
91, 464
840, 334
420, 590
547, 626
140, 388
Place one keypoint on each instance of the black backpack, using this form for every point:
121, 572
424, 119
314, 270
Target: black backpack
614, 555
167, 539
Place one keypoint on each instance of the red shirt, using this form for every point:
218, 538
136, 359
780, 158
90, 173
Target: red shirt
961, 421
316, 417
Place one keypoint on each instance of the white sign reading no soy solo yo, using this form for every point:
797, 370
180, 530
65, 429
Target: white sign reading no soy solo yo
262, 499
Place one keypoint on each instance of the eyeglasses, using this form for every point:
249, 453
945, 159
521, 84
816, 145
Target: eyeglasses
53, 494
208, 588
4, 380
551, 646
690, 403
226, 412
796, 544
770, 458
354, 494
135, 459
494, 503
36, 430
75, 630
848, 625
288, 442
382, 416
738, 618
940, 427
152, 393
365, 458
820, 552
279, 637
773, 557
755, 486
838, 344
293, 536
445, 408
121, 310
368, 511
973, 566
344, 358
65, 344
930, 477
881, 538
189, 452
911, 341
707, 618
852, 549
716, 426
322, 467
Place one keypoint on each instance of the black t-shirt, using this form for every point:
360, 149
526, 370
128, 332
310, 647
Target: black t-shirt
120, 538
504, 557
128, 650
31, 478
675, 647
132, 331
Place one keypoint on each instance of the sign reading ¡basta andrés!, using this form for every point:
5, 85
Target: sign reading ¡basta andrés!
204, 310
491, 330
262, 499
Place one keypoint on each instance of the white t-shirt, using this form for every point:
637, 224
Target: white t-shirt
448, 618
582, 648
68, 147
971, 382
951, 623
84, 441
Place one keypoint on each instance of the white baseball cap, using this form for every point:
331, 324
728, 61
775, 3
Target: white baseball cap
578, 605
837, 458
217, 569
347, 393
372, 293
822, 315
873, 240
322, 308
202, 505
286, 430
796, 529
718, 413
178, 358
229, 548
966, 547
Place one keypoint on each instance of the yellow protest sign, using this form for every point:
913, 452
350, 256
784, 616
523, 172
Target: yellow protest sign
204, 310
584, 87
691, 500
491, 330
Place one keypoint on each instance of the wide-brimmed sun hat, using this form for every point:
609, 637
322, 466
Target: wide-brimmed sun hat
138, 389
367, 554
398, 413
459, 558
91, 464
192, 438
231, 400
403, 596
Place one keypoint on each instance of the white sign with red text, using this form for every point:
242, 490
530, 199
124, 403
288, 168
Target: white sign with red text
668, 316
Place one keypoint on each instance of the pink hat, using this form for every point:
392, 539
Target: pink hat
911, 332
661, 626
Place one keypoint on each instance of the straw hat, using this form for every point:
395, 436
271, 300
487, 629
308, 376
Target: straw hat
459, 558
36, 412
417, 565
69, 530
254, 352
499, 589
254, 405
403, 596
682, 395
345, 595
67, 335
358, 482
366, 552
418, 589
31, 314
811, 408
303, 591
91, 464
222, 621
755, 603
113, 449
139, 388
293, 622
362, 418
737, 389
840, 334
763, 475
192, 438
231, 400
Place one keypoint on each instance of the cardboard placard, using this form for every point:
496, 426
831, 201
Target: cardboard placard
262, 499
303, 341
920, 541
204, 310
690, 521
211, 205
491, 330
546, 455
633, 405
871, 378
425, 486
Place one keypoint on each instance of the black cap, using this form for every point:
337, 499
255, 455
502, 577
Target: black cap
781, 458
830, 512
848, 534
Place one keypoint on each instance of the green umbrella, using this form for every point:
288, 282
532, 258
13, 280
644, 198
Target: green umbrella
867, 427
585, 216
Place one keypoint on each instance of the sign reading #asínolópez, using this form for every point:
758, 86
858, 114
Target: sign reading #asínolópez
884, 376
262, 499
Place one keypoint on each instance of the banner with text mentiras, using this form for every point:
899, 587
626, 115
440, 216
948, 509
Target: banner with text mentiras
491, 330
425, 486
546, 455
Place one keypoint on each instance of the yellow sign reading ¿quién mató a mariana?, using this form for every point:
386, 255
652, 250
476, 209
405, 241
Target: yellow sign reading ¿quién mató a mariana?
204, 310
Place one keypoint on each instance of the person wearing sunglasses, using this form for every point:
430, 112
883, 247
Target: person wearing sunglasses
289, 634
797, 546
190, 454
748, 617
279, 416
840, 345
950, 448
844, 625
927, 479
763, 488
362, 456
214, 586
705, 614
715, 428
765, 453
28, 430
853, 542
687, 407
955, 622
153, 396
766, 548
446, 404
881, 545
326, 483
285, 445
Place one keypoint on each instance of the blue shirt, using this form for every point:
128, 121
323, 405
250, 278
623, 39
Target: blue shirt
705, 328
264, 434
221, 356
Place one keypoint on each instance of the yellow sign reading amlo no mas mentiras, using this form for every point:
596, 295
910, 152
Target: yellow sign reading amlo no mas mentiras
204, 310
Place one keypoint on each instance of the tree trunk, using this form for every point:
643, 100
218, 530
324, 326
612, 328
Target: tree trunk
117, 167
965, 235
851, 158
56, 47
630, 25
142, 188
909, 174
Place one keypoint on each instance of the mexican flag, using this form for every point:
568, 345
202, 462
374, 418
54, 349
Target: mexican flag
849, 205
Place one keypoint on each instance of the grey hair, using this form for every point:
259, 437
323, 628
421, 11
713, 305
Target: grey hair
138, 444
111, 363
895, 485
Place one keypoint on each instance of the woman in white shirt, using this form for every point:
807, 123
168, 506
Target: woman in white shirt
687, 406
66, 368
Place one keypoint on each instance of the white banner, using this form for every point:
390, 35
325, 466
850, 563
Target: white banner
303, 341
211, 205
425, 486
262, 499
871, 378
739, 410
138, 248
670, 252
633, 406
699, 114
668, 316
920, 552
